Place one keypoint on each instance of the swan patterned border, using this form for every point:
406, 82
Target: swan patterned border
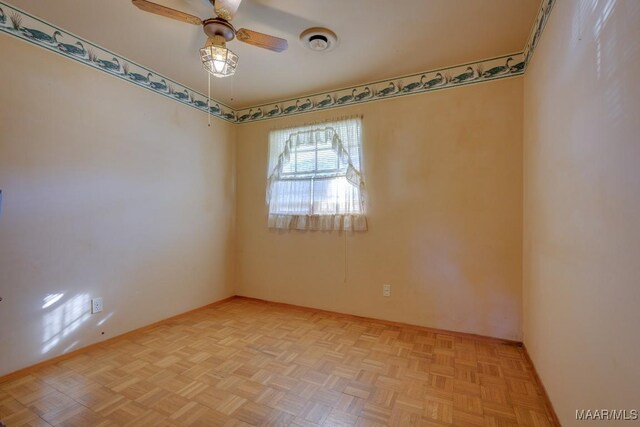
476, 72
538, 26
471, 73
19, 23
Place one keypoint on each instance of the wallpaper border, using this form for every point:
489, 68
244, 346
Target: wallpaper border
21, 24
443, 78
18, 23
536, 30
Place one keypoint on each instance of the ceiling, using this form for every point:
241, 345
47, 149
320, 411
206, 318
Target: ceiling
377, 39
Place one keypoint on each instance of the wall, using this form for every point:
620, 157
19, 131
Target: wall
444, 179
109, 190
582, 205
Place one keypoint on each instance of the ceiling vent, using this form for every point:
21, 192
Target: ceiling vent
319, 39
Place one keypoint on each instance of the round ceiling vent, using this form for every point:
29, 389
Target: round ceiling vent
319, 39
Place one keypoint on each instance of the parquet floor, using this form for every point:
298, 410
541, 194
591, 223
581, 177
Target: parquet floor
246, 362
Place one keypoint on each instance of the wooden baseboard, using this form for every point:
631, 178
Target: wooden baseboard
387, 322
555, 420
65, 356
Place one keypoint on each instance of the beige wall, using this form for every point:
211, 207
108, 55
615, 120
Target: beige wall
582, 206
109, 190
444, 176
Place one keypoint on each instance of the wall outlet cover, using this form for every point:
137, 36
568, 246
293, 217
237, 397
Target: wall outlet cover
96, 305
386, 290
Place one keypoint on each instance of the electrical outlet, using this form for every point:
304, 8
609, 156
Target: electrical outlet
96, 305
386, 290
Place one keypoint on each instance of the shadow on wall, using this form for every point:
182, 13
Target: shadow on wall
457, 279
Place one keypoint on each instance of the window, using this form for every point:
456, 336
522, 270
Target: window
314, 177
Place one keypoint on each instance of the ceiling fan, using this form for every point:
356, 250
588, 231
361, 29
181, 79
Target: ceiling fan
216, 58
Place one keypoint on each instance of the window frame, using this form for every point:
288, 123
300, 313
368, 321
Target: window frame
286, 167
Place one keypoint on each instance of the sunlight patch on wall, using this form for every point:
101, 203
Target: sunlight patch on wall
49, 300
71, 346
63, 319
103, 321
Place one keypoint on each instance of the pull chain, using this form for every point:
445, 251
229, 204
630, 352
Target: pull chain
209, 98
344, 279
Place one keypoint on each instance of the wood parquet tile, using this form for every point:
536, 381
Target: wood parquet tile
248, 363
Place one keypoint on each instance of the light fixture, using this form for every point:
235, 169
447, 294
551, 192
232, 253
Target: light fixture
217, 59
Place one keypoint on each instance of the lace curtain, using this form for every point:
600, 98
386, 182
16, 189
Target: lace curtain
314, 177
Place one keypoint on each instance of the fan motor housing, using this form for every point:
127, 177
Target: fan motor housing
219, 27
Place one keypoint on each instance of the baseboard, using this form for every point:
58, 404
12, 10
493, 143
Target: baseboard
388, 322
73, 353
555, 420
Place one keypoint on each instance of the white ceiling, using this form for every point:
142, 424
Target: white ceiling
378, 39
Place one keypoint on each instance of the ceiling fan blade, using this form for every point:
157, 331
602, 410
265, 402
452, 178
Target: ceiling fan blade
264, 41
226, 9
148, 6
